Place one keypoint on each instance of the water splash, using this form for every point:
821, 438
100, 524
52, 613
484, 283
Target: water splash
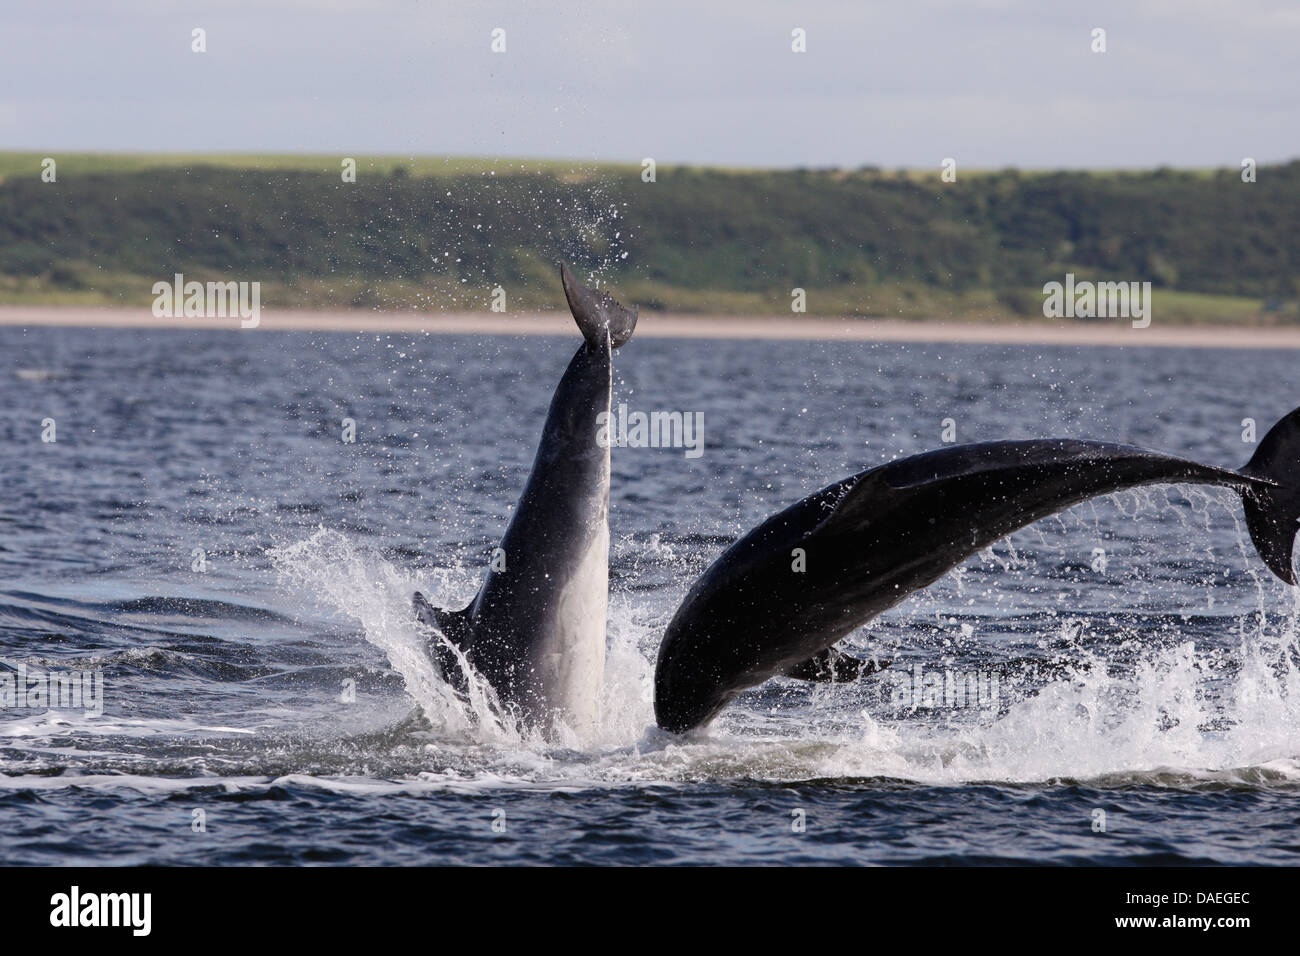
357, 584
1179, 713
361, 585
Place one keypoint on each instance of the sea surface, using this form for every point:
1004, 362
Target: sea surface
200, 536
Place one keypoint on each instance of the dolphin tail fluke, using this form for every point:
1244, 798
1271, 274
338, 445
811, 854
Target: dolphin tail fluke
597, 313
1273, 511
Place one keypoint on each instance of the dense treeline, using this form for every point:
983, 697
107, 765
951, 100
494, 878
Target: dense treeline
695, 238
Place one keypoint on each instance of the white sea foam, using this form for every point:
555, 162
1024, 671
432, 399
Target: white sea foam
1180, 714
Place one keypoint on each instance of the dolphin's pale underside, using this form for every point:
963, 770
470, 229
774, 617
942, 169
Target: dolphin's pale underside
536, 630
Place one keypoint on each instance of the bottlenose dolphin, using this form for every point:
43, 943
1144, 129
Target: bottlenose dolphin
777, 600
536, 630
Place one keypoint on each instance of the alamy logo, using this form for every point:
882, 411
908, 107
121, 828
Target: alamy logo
1098, 300
653, 430
215, 300
74, 908
53, 690
945, 688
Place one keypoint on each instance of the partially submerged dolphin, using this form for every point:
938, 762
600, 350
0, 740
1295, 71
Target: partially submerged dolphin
536, 630
778, 599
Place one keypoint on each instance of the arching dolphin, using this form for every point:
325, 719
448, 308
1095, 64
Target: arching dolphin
867, 542
777, 601
536, 630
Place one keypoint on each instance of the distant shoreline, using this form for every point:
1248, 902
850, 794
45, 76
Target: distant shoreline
669, 325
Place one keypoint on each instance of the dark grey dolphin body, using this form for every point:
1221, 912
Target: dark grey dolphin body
777, 601
536, 630
871, 540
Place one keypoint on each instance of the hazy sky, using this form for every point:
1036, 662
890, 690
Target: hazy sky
904, 83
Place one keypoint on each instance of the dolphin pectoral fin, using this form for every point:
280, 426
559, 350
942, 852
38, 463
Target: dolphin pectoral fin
833, 666
456, 627
597, 313
425, 612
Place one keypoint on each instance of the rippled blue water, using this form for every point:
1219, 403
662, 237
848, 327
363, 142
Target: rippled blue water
1161, 689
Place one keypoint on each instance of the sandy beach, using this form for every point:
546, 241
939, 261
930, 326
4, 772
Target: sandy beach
664, 325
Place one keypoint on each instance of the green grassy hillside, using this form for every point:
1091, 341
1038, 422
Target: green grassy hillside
441, 233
